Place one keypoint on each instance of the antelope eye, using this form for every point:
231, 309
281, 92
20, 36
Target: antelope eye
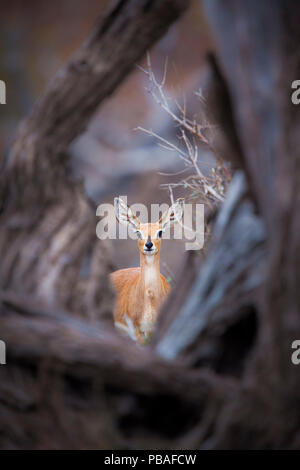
159, 233
139, 234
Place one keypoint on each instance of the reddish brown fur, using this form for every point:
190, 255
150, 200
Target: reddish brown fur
141, 291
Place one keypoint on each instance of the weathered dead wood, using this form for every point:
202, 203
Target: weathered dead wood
259, 70
122, 34
48, 242
228, 281
70, 385
256, 48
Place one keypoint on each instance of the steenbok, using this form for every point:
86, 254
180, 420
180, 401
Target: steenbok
141, 291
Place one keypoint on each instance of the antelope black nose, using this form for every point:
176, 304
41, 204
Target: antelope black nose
149, 243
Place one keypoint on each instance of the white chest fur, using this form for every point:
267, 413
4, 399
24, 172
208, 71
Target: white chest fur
151, 274
152, 292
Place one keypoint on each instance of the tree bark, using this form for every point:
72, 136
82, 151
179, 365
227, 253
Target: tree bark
219, 372
250, 336
70, 385
48, 238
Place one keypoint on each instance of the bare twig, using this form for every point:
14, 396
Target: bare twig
209, 188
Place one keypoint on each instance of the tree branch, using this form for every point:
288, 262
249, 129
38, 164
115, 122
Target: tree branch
120, 38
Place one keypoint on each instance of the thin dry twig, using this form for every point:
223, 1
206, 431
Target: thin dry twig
209, 188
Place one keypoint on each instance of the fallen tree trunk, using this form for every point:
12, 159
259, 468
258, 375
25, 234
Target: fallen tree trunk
70, 385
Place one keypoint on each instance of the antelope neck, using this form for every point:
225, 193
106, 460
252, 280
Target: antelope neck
150, 273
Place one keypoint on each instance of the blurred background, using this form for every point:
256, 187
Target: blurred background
111, 157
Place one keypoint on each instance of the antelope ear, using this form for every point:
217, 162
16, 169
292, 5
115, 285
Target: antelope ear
124, 214
172, 215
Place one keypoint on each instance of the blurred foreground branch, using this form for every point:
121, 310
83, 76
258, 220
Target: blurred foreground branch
48, 238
